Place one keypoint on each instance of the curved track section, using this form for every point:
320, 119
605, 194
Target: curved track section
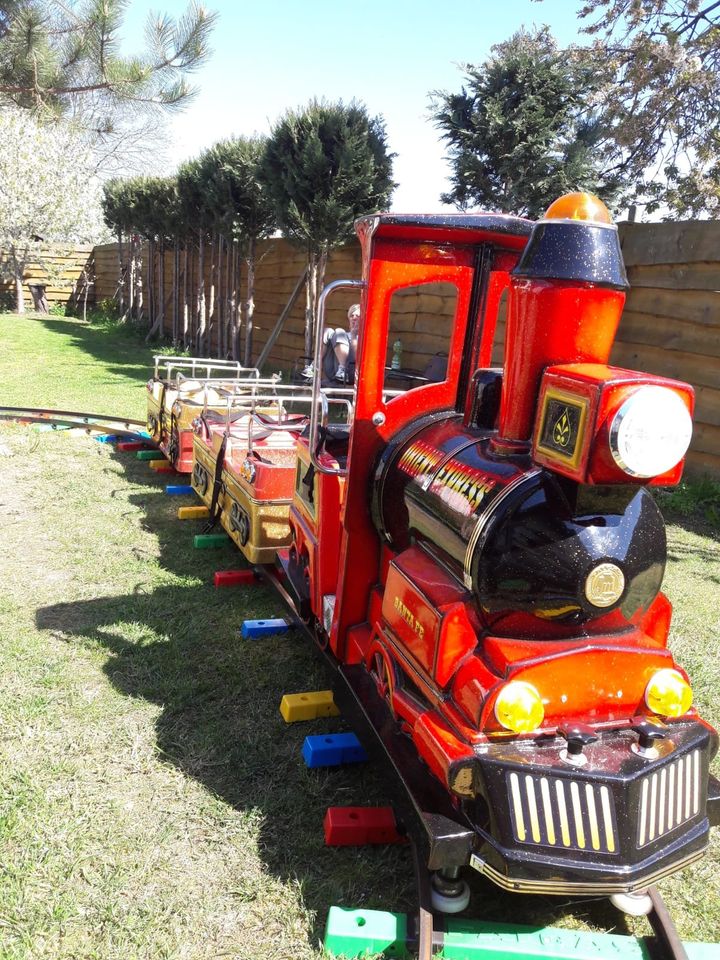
90, 422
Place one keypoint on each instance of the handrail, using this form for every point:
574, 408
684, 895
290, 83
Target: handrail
317, 372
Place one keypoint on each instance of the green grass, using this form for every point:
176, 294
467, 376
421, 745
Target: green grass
50, 361
153, 803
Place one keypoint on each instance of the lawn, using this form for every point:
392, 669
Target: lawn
153, 803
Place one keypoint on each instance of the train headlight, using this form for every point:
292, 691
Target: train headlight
668, 693
519, 707
651, 432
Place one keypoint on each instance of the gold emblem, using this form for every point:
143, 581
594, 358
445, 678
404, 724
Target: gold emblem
561, 430
604, 585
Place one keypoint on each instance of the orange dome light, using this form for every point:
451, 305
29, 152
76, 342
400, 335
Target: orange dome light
578, 206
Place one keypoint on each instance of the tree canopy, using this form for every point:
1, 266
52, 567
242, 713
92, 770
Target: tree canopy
65, 59
326, 165
658, 67
519, 133
47, 192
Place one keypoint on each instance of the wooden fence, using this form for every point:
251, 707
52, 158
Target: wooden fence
670, 326
64, 272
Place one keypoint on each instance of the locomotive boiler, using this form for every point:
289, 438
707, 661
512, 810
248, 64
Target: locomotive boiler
482, 559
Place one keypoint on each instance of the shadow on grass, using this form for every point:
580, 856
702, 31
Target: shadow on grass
106, 344
178, 647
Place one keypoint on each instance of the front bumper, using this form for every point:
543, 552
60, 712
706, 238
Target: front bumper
618, 823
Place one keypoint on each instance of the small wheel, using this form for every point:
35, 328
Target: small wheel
456, 903
634, 904
383, 678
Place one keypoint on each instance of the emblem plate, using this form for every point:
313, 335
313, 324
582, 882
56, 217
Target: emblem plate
604, 585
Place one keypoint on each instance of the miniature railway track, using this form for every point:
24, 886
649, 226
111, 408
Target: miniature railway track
90, 422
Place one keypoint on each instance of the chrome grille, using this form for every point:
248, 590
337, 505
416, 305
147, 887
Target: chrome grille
560, 812
669, 797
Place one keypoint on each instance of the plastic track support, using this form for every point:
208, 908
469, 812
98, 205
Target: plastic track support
467, 939
207, 541
128, 446
234, 578
161, 466
193, 513
151, 455
357, 826
308, 706
178, 489
333, 750
255, 629
359, 933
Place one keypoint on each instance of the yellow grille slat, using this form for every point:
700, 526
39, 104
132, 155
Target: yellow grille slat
554, 811
669, 798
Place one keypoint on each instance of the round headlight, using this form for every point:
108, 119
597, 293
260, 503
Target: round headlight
519, 707
650, 432
668, 693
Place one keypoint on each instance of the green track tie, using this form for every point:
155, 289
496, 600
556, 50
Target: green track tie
471, 939
150, 455
361, 933
206, 541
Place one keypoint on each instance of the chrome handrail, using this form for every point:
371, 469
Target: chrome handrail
317, 372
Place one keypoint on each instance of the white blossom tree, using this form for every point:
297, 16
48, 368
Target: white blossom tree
48, 193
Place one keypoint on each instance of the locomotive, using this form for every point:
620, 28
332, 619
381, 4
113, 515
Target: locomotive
481, 560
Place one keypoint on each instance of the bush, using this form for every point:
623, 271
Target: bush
696, 497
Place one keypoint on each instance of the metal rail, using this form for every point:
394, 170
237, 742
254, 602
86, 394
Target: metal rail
92, 422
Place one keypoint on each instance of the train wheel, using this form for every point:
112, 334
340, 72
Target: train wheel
382, 674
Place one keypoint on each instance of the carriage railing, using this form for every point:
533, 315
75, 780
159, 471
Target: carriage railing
278, 406
197, 366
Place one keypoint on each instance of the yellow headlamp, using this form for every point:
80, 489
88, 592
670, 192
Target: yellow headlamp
668, 693
519, 708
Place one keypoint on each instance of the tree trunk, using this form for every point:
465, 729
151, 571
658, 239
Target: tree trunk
176, 291
236, 307
151, 283
228, 304
310, 302
201, 293
139, 278
19, 297
250, 300
185, 296
220, 337
121, 276
211, 295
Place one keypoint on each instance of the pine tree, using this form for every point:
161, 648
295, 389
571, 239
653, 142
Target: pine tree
325, 166
519, 133
64, 59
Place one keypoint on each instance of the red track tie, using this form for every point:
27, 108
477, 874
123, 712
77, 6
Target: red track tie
357, 826
129, 445
232, 578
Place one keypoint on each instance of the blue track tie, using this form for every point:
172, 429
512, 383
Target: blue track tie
255, 629
178, 489
332, 750
107, 438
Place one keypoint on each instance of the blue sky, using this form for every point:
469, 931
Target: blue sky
272, 55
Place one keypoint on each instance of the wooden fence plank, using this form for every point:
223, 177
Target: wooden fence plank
686, 241
684, 276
